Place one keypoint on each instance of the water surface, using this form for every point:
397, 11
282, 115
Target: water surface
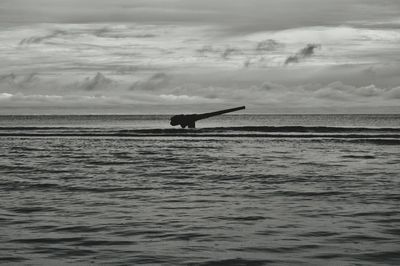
128, 190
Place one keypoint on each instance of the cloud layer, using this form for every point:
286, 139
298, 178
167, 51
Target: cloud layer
163, 90
264, 54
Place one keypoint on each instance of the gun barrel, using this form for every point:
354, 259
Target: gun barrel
207, 115
190, 120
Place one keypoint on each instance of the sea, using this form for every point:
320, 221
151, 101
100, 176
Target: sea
237, 190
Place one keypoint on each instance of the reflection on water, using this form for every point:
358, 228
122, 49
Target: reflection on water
199, 200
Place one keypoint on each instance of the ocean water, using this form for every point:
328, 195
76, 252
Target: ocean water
238, 190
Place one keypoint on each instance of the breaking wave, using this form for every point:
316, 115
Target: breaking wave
245, 131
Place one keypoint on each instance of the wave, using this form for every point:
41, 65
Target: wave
234, 262
276, 129
293, 129
393, 138
218, 132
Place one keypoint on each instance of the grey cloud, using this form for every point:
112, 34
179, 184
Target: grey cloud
309, 50
8, 77
268, 45
122, 70
228, 52
206, 49
343, 92
251, 15
16, 82
35, 83
291, 59
8, 82
247, 63
223, 52
145, 35
110, 32
156, 81
185, 99
369, 91
151, 91
39, 39
269, 86
332, 94
46, 100
98, 82
30, 78
20, 97
102, 31
394, 93
302, 54
335, 93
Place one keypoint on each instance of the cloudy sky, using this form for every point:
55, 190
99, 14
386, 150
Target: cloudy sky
167, 56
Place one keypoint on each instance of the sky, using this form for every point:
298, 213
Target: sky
168, 56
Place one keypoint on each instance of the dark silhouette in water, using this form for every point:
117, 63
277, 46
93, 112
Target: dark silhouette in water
190, 120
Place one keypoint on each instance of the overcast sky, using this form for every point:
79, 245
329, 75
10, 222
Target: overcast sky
163, 56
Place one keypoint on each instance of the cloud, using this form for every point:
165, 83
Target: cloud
40, 83
268, 45
121, 31
333, 93
206, 49
250, 16
17, 82
39, 39
224, 51
154, 82
291, 59
270, 86
32, 77
337, 91
394, 93
98, 82
247, 63
8, 81
369, 91
306, 52
186, 98
37, 98
7, 77
265, 96
228, 52
108, 48
101, 32
159, 63
5, 95
274, 95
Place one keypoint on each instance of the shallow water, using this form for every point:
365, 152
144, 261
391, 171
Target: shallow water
210, 197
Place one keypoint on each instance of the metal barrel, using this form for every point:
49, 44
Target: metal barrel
207, 115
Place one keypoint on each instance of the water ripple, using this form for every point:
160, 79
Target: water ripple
199, 200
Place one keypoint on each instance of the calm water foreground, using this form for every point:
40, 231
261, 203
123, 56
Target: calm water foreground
257, 190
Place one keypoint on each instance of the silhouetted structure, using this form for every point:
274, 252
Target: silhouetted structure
190, 120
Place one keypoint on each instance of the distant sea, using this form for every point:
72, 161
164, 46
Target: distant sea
237, 190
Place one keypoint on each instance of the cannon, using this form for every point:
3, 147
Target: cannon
190, 120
